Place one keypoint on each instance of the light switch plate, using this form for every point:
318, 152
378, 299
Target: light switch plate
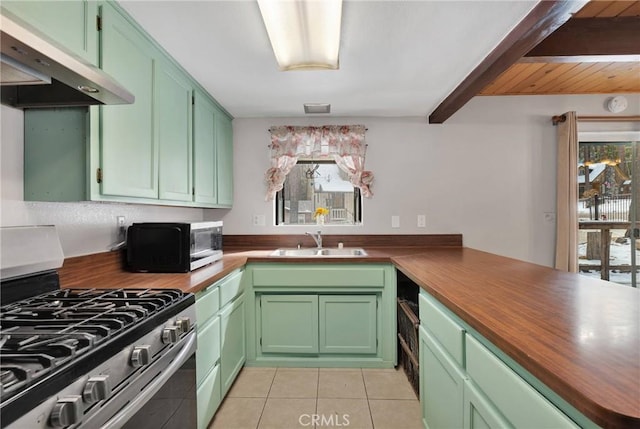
395, 221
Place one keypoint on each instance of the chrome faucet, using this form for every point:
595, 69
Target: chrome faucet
317, 237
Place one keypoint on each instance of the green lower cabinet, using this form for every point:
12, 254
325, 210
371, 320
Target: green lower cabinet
441, 385
209, 397
348, 324
479, 412
321, 315
232, 342
289, 324
221, 343
318, 324
466, 382
521, 404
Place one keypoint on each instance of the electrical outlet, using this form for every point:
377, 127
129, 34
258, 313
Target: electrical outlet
258, 220
395, 221
122, 228
422, 221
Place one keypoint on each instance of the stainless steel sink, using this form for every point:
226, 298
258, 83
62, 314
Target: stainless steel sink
325, 252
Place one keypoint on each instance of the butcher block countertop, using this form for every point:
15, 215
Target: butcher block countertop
580, 336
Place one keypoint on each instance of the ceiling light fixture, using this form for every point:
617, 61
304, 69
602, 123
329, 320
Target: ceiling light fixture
304, 34
317, 108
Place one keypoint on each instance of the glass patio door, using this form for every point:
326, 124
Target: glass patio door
609, 210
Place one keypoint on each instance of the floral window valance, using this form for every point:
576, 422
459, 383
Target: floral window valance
342, 143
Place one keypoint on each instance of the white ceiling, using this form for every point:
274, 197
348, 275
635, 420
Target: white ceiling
397, 58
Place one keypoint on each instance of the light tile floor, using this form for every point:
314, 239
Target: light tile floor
349, 398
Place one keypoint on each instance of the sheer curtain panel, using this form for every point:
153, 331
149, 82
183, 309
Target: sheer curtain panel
567, 195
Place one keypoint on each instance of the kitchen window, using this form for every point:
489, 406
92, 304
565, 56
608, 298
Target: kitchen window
318, 192
317, 174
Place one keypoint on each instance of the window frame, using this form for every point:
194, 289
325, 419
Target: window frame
280, 198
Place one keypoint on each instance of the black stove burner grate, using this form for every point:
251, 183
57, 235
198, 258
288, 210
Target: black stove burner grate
42, 334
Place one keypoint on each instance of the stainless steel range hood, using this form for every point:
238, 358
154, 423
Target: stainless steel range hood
37, 72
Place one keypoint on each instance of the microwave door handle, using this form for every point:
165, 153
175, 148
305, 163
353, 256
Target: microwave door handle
118, 420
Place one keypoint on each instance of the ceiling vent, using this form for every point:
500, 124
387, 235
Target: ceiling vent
313, 108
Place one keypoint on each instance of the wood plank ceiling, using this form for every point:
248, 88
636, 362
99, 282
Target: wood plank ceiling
545, 70
561, 47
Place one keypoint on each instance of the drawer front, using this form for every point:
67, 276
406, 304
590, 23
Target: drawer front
448, 333
230, 287
327, 276
208, 352
207, 303
520, 403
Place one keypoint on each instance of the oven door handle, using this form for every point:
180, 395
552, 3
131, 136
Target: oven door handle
118, 420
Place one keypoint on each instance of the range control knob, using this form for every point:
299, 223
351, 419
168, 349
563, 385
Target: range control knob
96, 389
67, 411
184, 323
140, 356
171, 334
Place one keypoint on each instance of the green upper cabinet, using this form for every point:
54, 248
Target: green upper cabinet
128, 149
72, 24
224, 146
173, 95
212, 154
204, 150
172, 146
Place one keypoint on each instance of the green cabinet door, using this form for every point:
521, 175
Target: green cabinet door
479, 412
129, 154
72, 24
208, 397
204, 150
232, 342
172, 111
289, 324
441, 385
224, 146
348, 324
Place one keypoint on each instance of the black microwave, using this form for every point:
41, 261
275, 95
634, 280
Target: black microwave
173, 247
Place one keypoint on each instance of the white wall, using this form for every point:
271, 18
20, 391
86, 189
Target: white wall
488, 173
84, 227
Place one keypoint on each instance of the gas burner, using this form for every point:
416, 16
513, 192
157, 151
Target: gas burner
41, 334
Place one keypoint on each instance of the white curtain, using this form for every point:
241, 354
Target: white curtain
343, 143
567, 195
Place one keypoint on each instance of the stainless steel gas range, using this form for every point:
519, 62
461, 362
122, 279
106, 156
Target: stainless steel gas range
93, 358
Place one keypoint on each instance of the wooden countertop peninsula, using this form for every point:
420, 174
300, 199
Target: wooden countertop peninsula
580, 336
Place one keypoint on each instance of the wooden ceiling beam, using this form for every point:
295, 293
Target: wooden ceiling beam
592, 36
544, 19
